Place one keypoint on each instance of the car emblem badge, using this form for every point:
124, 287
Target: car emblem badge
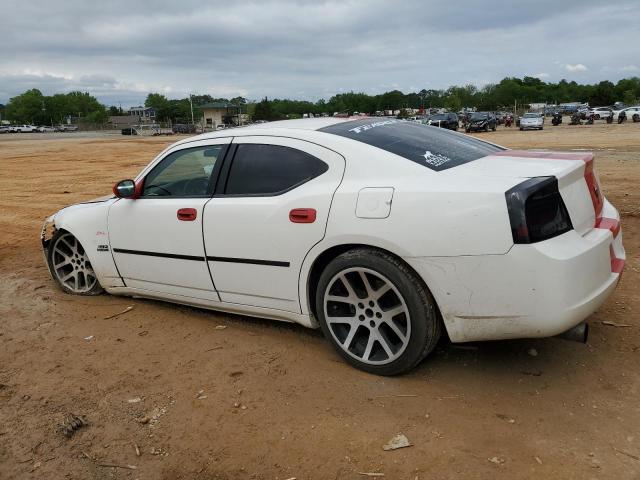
103, 248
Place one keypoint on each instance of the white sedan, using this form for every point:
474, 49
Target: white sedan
532, 120
383, 233
600, 113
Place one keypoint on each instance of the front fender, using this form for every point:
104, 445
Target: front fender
88, 223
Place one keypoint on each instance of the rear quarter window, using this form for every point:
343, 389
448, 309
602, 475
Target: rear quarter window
435, 148
266, 170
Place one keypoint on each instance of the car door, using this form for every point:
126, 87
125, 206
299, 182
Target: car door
156, 239
270, 209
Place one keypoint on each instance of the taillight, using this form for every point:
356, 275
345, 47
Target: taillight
537, 211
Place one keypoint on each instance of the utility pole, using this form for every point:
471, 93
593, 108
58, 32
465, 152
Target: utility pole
191, 103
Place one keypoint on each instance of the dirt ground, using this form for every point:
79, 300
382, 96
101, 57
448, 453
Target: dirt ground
266, 400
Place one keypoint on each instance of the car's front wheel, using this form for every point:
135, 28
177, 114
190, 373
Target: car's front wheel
70, 266
377, 312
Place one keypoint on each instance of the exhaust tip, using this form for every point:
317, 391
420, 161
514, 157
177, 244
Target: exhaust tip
579, 333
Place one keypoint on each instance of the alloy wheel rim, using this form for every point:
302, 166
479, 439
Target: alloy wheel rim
367, 316
71, 265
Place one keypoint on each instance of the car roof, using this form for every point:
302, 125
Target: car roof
279, 127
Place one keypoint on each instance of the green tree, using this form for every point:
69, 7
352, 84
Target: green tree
629, 97
453, 103
27, 107
602, 94
263, 111
161, 105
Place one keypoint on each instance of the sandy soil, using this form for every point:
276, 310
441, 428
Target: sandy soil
264, 400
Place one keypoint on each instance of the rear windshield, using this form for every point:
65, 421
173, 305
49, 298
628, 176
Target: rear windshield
435, 148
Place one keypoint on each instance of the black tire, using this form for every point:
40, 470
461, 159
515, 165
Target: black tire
521, 129
95, 288
424, 319
468, 130
635, 118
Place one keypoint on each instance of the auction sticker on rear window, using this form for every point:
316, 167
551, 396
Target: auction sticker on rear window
435, 148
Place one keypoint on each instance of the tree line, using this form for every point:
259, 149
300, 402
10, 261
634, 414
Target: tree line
34, 107
503, 95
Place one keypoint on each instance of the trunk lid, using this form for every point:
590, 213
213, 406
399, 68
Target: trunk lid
577, 180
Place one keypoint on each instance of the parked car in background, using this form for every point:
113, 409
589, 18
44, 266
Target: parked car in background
183, 128
67, 128
23, 129
600, 113
500, 117
532, 120
481, 121
444, 120
45, 129
632, 113
128, 131
291, 221
4, 128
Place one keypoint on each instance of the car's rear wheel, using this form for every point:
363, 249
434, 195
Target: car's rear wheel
70, 265
635, 118
376, 312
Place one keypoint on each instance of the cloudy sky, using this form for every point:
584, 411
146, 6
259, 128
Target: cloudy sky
121, 50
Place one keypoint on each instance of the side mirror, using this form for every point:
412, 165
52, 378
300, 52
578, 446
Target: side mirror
125, 189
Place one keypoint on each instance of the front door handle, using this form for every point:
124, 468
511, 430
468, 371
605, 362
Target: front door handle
187, 214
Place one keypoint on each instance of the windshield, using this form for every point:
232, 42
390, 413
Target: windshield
434, 148
530, 115
440, 116
479, 116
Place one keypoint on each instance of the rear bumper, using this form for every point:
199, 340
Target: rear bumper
537, 290
477, 128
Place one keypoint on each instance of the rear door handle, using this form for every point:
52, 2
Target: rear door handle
187, 214
302, 215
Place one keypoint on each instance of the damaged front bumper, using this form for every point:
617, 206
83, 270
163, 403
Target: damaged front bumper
46, 234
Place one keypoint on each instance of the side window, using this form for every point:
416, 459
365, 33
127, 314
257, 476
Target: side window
270, 169
185, 173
